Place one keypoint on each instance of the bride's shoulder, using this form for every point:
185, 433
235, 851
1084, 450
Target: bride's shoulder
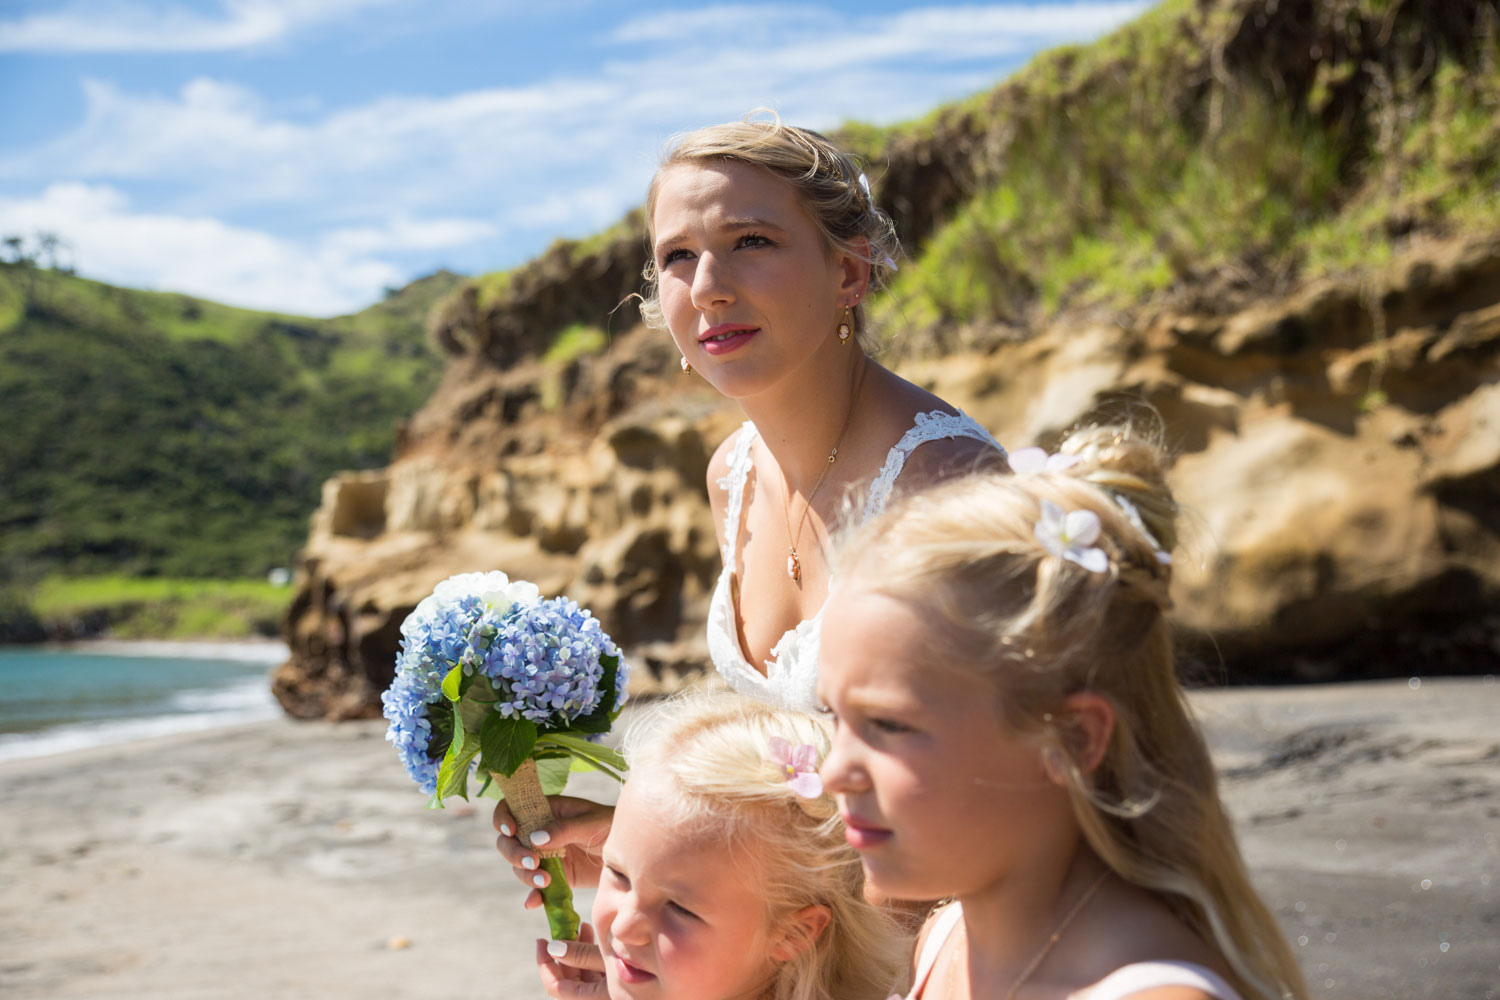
946, 455
722, 462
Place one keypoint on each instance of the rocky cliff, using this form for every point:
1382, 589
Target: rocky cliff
1337, 428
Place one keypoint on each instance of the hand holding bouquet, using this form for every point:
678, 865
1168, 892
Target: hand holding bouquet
490, 673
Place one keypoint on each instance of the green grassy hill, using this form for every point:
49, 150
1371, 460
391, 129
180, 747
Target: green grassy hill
150, 433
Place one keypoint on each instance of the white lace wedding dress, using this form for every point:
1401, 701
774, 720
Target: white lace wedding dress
791, 675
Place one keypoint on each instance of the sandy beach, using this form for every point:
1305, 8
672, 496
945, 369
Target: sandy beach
282, 859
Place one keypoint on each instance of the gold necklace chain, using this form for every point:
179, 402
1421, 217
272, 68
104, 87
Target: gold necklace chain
1036, 960
793, 562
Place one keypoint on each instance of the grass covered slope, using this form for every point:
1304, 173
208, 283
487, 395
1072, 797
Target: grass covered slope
151, 433
1245, 142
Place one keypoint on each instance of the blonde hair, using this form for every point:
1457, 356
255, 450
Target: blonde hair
966, 553
827, 182
708, 756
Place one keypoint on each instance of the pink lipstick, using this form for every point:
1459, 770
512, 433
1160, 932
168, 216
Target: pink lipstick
725, 338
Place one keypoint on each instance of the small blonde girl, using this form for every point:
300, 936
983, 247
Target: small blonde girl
726, 873
1011, 735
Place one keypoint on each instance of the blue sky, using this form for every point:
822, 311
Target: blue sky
301, 155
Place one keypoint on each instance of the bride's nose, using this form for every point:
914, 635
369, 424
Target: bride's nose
711, 283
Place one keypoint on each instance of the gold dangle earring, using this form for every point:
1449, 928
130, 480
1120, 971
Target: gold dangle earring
687, 369
846, 328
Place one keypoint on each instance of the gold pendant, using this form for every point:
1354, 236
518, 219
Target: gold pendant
793, 566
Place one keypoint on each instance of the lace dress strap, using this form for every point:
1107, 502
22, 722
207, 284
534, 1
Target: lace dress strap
734, 482
931, 426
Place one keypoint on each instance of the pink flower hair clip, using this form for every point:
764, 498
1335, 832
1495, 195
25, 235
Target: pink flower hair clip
798, 767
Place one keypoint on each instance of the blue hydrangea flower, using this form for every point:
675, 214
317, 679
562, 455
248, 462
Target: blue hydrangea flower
542, 657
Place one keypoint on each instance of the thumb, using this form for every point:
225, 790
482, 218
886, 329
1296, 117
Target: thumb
584, 955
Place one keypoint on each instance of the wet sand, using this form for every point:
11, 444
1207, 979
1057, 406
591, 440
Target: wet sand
283, 859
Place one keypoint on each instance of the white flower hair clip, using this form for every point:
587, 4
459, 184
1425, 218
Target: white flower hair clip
798, 767
886, 260
1070, 535
1030, 461
1134, 517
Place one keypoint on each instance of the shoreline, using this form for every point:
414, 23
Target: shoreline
271, 652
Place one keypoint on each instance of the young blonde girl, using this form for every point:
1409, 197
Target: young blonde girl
726, 873
1011, 735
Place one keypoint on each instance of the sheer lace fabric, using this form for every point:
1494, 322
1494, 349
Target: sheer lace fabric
791, 676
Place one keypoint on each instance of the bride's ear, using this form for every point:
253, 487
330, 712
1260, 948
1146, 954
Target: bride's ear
855, 271
799, 931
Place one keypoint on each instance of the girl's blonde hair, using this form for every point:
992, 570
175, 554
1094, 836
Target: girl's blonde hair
828, 184
708, 755
967, 554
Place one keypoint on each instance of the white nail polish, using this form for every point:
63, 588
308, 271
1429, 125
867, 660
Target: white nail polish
540, 881
528, 863
541, 838
505, 829
557, 949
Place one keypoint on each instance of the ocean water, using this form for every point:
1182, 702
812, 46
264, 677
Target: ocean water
54, 700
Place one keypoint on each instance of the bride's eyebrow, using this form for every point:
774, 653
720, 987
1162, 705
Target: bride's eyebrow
749, 222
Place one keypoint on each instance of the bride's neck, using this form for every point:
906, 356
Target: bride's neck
802, 423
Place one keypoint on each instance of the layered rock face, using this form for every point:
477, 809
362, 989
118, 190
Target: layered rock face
1338, 440
1338, 464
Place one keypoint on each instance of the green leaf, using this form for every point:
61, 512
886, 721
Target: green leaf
453, 775
452, 683
599, 758
553, 772
505, 743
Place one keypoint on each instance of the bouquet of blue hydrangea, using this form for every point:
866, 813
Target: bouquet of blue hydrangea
493, 680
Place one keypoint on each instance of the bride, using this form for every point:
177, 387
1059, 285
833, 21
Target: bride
765, 245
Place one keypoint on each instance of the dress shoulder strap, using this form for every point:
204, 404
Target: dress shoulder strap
734, 482
1137, 977
931, 426
942, 928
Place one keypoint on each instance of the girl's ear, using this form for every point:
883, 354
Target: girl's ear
1090, 722
800, 930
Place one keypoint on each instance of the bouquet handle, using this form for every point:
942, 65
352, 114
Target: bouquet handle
523, 794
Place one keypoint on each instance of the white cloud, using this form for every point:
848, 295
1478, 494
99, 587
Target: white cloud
338, 272
334, 197
148, 27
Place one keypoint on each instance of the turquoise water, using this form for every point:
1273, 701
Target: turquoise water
57, 700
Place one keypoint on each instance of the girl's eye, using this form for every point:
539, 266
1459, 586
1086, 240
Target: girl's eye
891, 726
672, 256
683, 911
755, 240
618, 876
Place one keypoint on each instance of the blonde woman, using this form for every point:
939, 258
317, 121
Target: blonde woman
765, 246
1009, 733
726, 873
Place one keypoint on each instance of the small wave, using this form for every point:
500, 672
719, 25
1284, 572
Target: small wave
84, 735
270, 653
250, 694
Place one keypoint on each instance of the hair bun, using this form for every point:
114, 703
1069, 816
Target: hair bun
1129, 465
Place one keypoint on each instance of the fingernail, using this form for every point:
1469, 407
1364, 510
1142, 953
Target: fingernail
505, 829
541, 838
540, 881
528, 862
557, 949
